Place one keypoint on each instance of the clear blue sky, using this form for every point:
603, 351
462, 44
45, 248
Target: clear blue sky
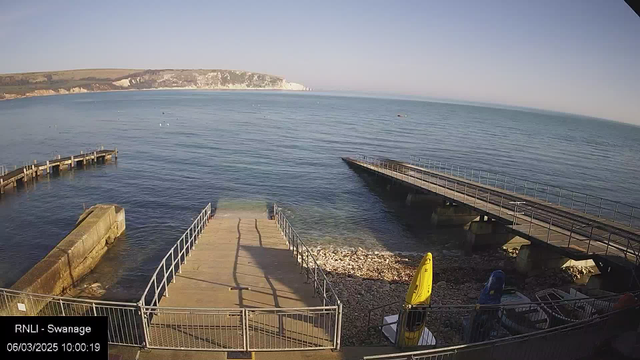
578, 56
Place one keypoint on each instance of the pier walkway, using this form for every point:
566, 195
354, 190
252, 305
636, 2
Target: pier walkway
10, 179
232, 284
240, 263
576, 234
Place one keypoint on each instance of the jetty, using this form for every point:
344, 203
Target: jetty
232, 284
11, 179
578, 226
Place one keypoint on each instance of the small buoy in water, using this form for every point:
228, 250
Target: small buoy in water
160, 124
163, 113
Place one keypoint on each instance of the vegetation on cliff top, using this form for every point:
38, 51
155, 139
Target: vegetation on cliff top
74, 81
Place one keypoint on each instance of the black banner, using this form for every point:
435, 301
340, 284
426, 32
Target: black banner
53, 337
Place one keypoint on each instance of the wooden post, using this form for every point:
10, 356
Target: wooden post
1, 187
95, 158
48, 168
73, 163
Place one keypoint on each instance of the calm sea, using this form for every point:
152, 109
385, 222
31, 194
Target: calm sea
246, 149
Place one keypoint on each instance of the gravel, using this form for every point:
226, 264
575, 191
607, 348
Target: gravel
365, 279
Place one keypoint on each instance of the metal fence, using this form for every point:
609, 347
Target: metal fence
172, 262
575, 340
585, 203
125, 320
244, 329
307, 261
195, 328
451, 325
313, 272
279, 329
527, 219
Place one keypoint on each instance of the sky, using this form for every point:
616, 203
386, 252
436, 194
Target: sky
575, 56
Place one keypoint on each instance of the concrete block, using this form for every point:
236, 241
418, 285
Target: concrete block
452, 215
75, 255
487, 234
532, 259
427, 199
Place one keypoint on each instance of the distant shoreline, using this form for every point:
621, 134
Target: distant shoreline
17, 86
154, 89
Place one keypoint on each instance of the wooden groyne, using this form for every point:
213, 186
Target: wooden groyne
11, 179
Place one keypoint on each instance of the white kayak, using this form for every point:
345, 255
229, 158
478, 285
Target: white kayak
389, 329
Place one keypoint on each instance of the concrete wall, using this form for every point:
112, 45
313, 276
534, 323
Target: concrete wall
452, 215
533, 259
77, 253
487, 234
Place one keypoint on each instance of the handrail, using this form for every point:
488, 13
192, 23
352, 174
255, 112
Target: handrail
452, 350
521, 215
458, 307
178, 256
303, 254
605, 208
70, 299
607, 297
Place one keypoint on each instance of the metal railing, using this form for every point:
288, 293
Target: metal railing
528, 220
195, 328
125, 320
308, 328
241, 329
451, 325
172, 262
304, 257
574, 200
313, 271
571, 341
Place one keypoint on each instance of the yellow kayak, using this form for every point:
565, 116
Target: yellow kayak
419, 293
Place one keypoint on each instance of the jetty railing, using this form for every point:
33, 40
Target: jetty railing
529, 221
241, 329
574, 200
307, 260
260, 329
313, 272
451, 325
125, 320
571, 341
172, 262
